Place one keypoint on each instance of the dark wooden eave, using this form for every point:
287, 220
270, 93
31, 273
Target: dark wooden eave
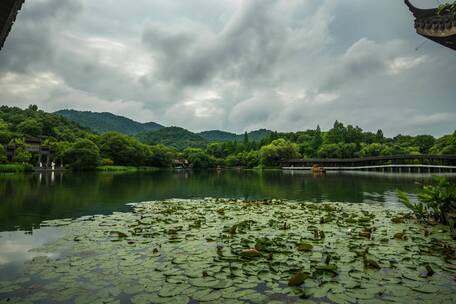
431, 25
8, 13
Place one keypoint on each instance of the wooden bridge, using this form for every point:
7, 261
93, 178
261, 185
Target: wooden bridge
395, 163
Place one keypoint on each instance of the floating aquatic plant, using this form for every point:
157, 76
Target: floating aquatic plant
236, 251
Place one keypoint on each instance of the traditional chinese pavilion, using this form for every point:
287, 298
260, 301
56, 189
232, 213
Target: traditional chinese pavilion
438, 25
8, 13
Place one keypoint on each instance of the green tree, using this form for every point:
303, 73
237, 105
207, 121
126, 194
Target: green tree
246, 139
388, 150
3, 125
380, 138
349, 150
232, 161
218, 150
251, 159
369, 138
61, 149
370, 150
33, 108
330, 151
451, 149
21, 155
353, 134
247, 159
403, 140
122, 149
317, 141
198, 158
412, 150
161, 156
306, 149
280, 149
424, 143
82, 155
337, 134
65, 133
30, 127
2, 154
5, 137
445, 145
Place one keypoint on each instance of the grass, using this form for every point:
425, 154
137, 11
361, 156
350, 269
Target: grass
124, 169
15, 168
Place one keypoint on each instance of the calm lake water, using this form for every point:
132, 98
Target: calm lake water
28, 200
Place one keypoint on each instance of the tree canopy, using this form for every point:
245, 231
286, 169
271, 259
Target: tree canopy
82, 149
82, 155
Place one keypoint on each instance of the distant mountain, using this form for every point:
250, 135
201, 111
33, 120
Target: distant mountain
216, 135
259, 134
153, 133
107, 122
176, 137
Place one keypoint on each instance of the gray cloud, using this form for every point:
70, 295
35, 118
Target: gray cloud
235, 65
33, 44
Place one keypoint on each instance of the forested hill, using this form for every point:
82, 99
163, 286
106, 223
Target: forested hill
180, 138
79, 148
216, 135
176, 137
220, 136
15, 122
108, 122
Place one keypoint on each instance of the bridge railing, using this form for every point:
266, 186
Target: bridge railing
435, 160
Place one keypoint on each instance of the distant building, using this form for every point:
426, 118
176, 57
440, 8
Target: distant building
181, 164
44, 156
8, 13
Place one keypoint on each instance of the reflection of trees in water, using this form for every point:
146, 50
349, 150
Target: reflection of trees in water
29, 199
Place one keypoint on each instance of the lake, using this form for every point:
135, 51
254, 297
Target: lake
29, 200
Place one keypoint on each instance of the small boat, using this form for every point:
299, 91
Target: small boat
318, 170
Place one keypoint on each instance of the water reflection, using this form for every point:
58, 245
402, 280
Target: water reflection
27, 200
16, 247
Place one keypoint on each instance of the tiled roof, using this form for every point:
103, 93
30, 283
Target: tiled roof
8, 12
439, 27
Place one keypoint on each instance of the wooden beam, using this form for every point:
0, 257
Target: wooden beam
8, 13
419, 12
440, 28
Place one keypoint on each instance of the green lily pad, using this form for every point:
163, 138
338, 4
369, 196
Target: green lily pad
162, 255
297, 279
305, 247
206, 295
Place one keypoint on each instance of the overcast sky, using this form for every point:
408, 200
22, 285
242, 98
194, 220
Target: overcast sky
236, 65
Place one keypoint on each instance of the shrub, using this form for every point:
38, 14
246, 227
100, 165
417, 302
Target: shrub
2, 154
435, 203
106, 162
21, 155
15, 168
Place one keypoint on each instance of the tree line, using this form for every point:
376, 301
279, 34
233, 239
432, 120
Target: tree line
81, 149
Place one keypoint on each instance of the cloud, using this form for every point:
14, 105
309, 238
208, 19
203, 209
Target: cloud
231, 64
400, 64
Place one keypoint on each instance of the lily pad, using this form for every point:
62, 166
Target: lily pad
305, 247
297, 279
